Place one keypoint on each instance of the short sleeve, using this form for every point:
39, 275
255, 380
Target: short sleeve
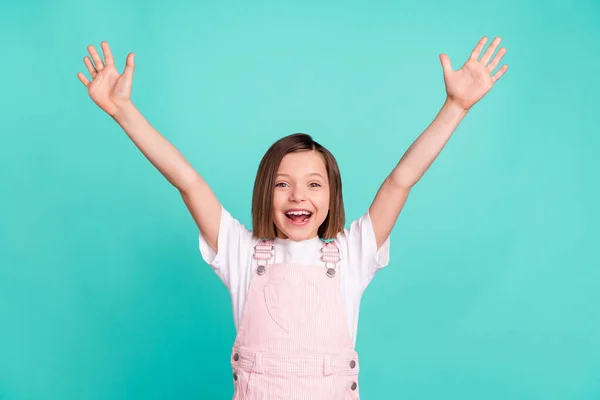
233, 243
364, 259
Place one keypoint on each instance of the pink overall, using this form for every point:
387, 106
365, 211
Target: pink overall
293, 341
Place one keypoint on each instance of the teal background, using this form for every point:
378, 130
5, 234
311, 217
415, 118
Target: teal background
492, 289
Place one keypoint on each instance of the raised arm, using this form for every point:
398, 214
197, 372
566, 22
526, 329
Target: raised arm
111, 92
464, 88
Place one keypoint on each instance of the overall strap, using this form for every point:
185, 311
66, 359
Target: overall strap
330, 255
263, 252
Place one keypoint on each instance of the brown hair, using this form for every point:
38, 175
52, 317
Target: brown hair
264, 185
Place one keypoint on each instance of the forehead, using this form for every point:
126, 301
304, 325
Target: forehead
302, 163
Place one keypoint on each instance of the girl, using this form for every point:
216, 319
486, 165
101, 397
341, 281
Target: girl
297, 278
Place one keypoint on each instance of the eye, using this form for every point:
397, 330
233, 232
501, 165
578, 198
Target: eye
315, 184
280, 184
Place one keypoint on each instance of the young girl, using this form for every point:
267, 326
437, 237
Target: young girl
297, 278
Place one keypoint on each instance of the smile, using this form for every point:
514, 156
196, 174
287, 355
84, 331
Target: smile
298, 217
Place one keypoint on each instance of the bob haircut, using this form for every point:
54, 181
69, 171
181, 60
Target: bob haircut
264, 185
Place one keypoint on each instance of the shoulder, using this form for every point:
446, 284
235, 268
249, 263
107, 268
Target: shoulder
358, 247
234, 243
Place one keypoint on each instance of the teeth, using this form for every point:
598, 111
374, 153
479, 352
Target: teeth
297, 213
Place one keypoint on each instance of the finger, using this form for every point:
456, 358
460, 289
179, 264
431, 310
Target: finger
490, 50
477, 50
108, 57
499, 74
128, 72
90, 67
492, 65
96, 57
83, 79
446, 65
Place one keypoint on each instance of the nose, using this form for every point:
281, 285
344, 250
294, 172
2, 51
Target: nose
297, 194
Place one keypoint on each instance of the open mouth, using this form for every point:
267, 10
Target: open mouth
298, 217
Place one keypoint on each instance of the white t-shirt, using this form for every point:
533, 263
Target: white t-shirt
359, 262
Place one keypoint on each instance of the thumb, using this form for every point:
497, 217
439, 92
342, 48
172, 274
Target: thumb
446, 65
128, 72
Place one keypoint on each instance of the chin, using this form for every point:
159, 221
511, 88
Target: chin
297, 232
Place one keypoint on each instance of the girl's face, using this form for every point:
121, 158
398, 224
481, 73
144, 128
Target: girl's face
301, 195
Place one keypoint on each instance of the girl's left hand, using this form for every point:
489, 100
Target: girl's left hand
469, 84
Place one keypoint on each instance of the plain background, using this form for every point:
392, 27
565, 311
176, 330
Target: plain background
492, 289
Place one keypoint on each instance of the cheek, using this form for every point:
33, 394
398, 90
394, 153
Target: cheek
278, 201
323, 202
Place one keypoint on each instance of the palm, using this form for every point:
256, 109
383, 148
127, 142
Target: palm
108, 89
474, 80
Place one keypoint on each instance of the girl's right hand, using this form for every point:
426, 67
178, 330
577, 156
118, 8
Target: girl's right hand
110, 90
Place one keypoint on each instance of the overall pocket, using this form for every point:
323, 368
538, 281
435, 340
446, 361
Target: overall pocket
352, 394
241, 382
291, 305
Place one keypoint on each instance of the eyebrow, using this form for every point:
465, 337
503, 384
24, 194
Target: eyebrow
314, 173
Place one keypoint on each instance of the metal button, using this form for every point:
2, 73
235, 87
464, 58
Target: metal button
234, 376
236, 357
330, 272
261, 269
354, 385
352, 364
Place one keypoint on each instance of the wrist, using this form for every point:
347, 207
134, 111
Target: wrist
123, 110
454, 106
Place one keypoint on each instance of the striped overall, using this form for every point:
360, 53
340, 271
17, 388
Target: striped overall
293, 341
